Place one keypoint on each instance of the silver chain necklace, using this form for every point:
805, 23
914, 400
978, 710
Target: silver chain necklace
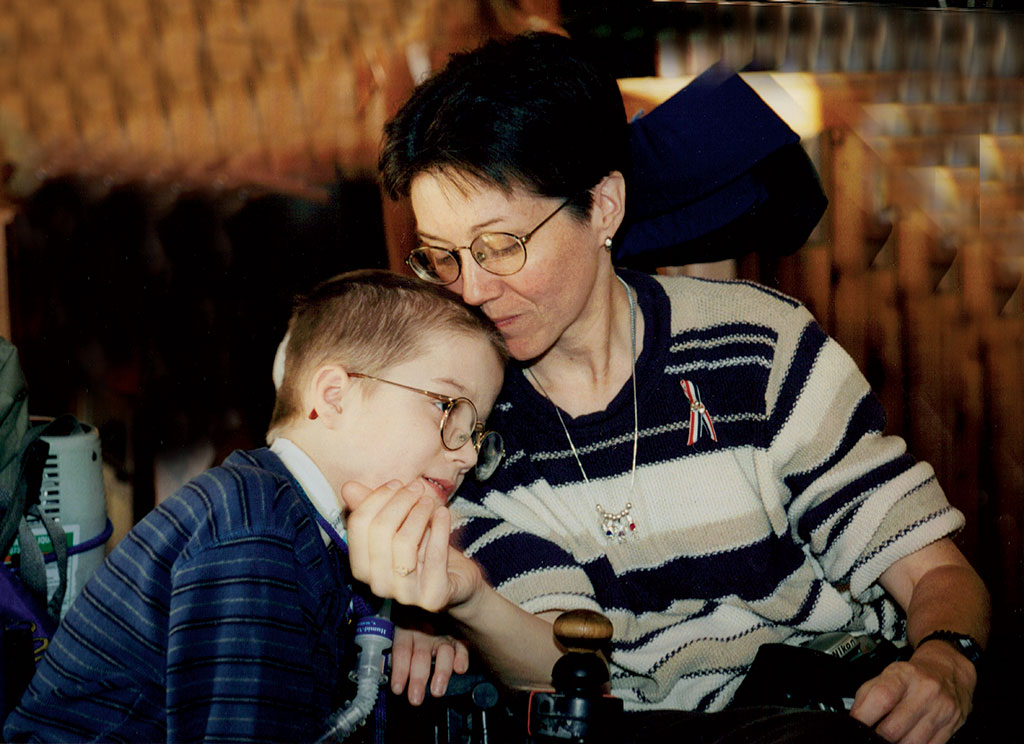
617, 526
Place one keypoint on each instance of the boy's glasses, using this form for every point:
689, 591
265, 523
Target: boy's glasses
495, 252
460, 424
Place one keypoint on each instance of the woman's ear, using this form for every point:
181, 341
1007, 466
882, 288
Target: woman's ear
609, 204
329, 386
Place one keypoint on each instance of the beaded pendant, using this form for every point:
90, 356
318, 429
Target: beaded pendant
618, 526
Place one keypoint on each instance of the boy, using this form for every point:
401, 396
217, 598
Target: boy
225, 612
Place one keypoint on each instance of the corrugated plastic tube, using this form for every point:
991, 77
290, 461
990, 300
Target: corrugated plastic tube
373, 637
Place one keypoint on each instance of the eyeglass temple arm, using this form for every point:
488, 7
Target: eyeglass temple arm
526, 238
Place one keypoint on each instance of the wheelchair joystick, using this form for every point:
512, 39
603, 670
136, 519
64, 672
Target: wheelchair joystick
577, 710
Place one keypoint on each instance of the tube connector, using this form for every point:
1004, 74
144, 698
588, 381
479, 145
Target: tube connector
374, 635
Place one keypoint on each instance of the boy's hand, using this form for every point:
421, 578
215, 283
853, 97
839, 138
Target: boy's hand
411, 657
398, 546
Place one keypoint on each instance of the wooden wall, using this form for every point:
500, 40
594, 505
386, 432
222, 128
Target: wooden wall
916, 269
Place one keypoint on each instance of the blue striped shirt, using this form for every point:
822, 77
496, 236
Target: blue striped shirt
221, 617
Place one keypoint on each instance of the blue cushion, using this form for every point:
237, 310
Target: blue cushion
694, 160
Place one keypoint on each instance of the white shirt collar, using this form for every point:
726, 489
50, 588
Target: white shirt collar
313, 482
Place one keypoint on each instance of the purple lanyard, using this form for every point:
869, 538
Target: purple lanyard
333, 534
360, 607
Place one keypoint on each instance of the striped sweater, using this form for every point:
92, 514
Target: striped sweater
221, 617
772, 530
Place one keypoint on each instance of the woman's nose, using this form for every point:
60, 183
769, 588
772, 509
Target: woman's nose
474, 284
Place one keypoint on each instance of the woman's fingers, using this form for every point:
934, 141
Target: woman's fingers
405, 548
353, 494
372, 524
435, 555
398, 543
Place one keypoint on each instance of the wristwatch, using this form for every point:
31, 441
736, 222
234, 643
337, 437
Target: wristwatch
960, 641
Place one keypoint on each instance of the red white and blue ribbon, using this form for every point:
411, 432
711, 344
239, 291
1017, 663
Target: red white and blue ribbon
700, 419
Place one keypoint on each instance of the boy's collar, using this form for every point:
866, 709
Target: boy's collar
313, 482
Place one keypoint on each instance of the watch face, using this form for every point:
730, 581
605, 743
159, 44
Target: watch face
971, 649
963, 643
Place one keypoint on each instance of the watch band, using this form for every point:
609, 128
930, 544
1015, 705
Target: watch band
962, 642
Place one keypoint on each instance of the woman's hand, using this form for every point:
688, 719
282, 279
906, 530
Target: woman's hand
399, 527
920, 701
927, 698
411, 658
398, 545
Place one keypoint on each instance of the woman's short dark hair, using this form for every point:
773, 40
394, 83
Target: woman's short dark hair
526, 112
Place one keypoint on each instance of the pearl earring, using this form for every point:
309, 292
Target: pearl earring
608, 243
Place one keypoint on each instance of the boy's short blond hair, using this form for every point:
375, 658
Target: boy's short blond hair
366, 321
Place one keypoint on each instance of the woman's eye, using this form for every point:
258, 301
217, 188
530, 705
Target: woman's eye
504, 252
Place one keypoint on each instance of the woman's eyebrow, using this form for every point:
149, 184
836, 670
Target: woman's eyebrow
477, 228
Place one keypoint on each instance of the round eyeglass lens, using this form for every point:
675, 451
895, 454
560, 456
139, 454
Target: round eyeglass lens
499, 253
458, 427
434, 265
492, 449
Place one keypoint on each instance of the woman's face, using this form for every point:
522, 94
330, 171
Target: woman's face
534, 307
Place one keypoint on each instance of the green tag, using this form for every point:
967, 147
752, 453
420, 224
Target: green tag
43, 540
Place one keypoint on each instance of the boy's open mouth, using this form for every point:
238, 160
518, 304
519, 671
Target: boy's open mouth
443, 488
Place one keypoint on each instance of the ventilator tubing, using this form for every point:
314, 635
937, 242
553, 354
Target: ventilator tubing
373, 637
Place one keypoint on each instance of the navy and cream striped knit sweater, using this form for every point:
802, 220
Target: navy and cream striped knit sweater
775, 532
221, 617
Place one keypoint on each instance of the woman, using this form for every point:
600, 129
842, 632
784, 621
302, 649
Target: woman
694, 459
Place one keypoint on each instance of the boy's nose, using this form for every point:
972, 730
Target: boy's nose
465, 456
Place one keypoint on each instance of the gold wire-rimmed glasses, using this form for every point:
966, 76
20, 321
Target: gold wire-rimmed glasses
498, 253
460, 423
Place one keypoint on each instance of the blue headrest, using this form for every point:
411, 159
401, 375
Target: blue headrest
692, 158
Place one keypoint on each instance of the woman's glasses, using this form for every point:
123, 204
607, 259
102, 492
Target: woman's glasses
460, 424
496, 252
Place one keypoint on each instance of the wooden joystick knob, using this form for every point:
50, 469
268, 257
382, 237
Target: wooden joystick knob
583, 630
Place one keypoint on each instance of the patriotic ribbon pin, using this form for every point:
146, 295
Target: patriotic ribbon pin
700, 419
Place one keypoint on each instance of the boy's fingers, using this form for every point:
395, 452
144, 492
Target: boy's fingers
461, 665
444, 662
401, 659
419, 671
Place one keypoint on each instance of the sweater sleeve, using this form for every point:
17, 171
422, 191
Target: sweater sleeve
510, 535
854, 496
236, 666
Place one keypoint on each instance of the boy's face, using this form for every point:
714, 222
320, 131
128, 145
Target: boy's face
392, 433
